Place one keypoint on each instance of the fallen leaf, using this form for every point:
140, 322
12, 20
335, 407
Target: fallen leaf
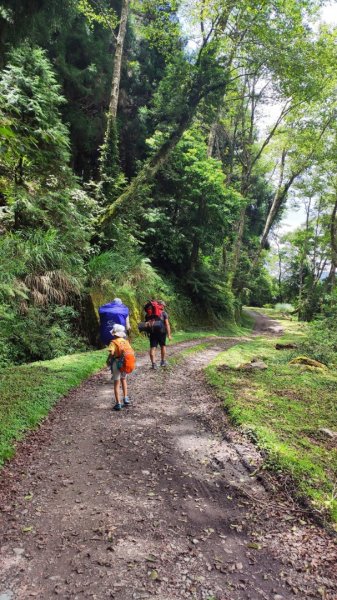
154, 575
254, 546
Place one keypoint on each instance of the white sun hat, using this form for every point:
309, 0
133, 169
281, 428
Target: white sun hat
118, 330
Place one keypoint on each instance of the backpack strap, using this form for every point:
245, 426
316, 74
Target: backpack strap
119, 344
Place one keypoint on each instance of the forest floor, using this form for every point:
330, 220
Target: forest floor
154, 502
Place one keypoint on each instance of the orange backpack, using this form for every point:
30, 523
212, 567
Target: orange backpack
126, 360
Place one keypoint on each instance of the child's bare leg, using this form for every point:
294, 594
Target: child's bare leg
116, 390
124, 387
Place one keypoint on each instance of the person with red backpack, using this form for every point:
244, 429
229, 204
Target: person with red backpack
122, 361
158, 327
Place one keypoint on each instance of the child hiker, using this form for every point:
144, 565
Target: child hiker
122, 361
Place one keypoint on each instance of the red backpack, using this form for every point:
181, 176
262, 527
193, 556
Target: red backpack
153, 309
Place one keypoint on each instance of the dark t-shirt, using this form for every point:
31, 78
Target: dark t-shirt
158, 336
159, 333
163, 317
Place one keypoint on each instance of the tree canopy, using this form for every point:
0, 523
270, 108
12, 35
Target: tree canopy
138, 133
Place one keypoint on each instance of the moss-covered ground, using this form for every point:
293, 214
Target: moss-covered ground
283, 408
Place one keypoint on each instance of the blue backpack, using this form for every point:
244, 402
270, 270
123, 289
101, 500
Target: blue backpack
111, 314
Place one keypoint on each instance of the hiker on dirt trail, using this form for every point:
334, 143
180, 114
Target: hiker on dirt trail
113, 313
159, 327
121, 360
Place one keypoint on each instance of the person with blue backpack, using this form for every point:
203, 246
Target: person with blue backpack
110, 314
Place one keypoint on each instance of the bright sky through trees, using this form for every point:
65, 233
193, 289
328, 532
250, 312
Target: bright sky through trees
294, 217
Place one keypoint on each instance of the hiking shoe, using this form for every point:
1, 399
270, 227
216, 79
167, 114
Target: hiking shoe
126, 401
117, 406
163, 363
154, 366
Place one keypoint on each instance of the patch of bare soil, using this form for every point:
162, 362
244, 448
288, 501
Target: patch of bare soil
155, 502
264, 324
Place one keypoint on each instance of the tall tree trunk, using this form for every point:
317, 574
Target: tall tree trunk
333, 242
237, 245
276, 203
279, 197
247, 167
18, 172
194, 257
152, 166
211, 139
274, 210
235, 254
279, 260
212, 142
280, 277
109, 158
282, 190
300, 290
116, 76
304, 251
194, 253
250, 161
199, 89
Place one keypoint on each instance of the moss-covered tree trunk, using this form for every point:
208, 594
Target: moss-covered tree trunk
152, 166
116, 76
333, 242
110, 166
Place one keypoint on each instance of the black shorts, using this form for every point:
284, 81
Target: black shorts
157, 339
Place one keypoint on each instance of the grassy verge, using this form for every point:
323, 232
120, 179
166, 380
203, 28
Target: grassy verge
28, 392
284, 408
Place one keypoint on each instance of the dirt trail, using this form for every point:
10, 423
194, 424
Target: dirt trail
264, 324
154, 502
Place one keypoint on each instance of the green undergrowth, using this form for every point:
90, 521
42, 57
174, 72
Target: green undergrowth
283, 408
28, 392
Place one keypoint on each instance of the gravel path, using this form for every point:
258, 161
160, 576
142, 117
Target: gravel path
154, 502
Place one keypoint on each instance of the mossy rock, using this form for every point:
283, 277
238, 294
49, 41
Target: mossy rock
309, 369
307, 362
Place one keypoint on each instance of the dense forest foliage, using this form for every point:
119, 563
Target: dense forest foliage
137, 159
